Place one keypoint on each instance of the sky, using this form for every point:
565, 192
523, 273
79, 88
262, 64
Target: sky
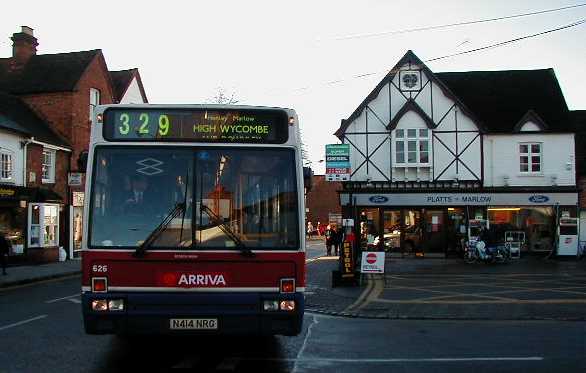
298, 54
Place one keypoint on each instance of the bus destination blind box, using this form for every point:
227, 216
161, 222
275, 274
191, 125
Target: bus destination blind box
260, 126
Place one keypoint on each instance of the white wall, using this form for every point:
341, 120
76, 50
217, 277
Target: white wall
10, 141
132, 95
448, 118
502, 159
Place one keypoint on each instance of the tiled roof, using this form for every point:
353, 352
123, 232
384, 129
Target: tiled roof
15, 115
496, 100
500, 99
120, 81
46, 73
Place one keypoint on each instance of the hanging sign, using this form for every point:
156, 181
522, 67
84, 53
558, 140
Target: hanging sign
337, 162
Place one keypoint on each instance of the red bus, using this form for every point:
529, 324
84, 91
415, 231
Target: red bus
193, 221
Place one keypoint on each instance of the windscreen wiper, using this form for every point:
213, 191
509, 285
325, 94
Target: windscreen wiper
152, 237
217, 220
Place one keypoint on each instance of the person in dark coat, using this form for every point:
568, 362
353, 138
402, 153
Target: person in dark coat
330, 236
4, 250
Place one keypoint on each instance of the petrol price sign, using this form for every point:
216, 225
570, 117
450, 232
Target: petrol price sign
337, 162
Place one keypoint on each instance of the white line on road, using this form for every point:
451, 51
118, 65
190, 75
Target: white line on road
74, 300
314, 321
398, 360
62, 298
22, 322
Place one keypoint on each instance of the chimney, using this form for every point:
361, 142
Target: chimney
24, 45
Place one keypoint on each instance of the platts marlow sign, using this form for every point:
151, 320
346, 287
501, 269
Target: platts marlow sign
460, 199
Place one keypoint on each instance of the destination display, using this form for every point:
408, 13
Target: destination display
232, 126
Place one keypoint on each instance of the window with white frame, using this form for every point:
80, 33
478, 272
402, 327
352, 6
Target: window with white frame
6, 167
530, 158
94, 100
412, 147
48, 166
44, 225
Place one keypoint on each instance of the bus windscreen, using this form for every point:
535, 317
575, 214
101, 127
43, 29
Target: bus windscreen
232, 198
261, 126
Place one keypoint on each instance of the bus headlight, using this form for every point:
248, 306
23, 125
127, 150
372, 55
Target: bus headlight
100, 305
116, 304
287, 305
270, 305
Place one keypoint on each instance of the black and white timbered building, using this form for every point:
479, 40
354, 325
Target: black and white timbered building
431, 151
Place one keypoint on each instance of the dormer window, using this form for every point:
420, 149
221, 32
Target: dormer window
411, 147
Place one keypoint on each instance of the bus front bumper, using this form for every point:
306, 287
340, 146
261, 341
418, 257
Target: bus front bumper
192, 313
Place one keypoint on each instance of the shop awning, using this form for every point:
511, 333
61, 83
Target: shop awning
20, 193
16, 193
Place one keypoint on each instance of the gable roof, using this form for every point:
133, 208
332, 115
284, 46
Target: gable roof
530, 116
410, 105
495, 100
121, 81
46, 72
411, 59
501, 98
17, 116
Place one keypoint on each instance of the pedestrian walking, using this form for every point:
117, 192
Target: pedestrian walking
319, 229
4, 250
329, 233
309, 229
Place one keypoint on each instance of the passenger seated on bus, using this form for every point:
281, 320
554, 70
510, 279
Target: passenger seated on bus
139, 198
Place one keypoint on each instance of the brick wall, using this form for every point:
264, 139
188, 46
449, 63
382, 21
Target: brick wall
95, 77
322, 199
34, 160
68, 112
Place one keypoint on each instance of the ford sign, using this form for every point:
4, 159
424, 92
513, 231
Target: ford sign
378, 199
538, 199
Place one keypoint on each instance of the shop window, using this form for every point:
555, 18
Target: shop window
94, 100
48, 167
411, 147
530, 157
6, 166
44, 225
13, 224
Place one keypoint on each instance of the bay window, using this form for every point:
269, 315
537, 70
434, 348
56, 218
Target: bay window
411, 147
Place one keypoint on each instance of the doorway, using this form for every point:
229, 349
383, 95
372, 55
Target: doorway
402, 230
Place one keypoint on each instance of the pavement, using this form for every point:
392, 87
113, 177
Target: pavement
20, 275
526, 289
529, 288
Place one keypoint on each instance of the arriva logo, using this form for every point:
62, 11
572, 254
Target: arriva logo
202, 280
378, 199
538, 199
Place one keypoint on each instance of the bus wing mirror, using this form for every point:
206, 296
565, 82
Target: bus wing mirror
307, 176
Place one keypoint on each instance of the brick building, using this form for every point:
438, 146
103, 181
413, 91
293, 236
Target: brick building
52, 97
322, 201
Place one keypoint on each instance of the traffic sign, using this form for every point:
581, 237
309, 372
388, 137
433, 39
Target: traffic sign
373, 262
